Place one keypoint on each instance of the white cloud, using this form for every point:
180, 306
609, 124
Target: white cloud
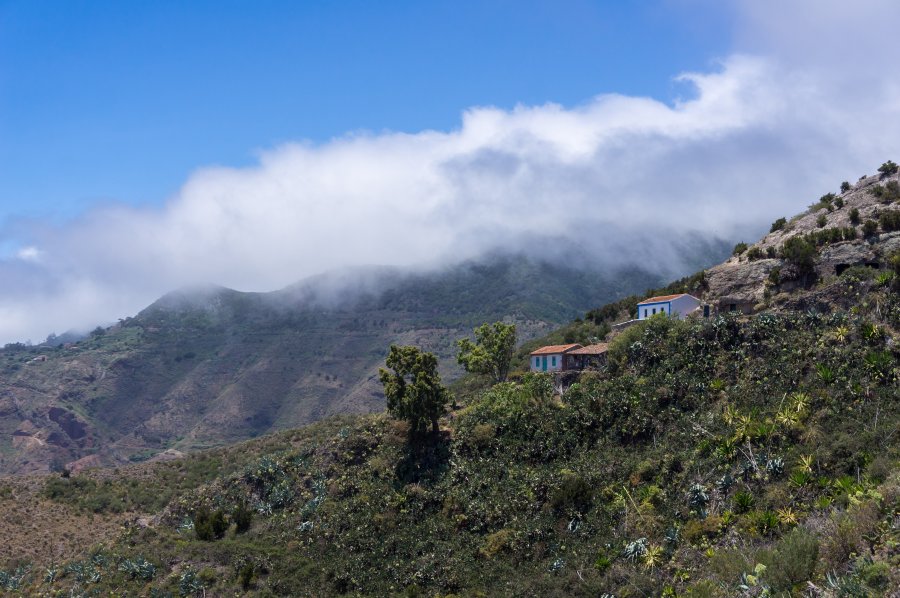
29, 254
781, 121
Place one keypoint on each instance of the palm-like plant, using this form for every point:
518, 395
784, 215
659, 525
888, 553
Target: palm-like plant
826, 374
799, 479
841, 333
653, 556
800, 401
787, 516
743, 501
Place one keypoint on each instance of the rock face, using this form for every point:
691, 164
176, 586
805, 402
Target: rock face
757, 274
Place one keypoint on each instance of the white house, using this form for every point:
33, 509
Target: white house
552, 358
676, 306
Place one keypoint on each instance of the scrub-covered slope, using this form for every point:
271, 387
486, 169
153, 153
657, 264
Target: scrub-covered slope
739, 455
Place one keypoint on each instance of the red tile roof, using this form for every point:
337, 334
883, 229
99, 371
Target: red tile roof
591, 349
662, 298
555, 349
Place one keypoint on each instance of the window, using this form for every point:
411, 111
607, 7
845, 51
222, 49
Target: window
553, 361
732, 307
645, 312
654, 311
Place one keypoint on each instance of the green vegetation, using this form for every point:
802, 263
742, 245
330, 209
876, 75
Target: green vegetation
887, 194
845, 186
854, 216
739, 249
888, 168
889, 220
713, 457
778, 225
869, 229
413, 388
492, 351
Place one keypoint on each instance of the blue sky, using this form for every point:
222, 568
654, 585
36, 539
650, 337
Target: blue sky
104, 100
150, 145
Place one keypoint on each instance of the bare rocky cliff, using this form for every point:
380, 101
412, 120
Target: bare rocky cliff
761, 275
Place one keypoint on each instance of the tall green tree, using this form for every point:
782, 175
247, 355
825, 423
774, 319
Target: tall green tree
413, 388
492, 351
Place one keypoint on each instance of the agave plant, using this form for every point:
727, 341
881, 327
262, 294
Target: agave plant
138, 567
635, 550
847, 586
775, 466
698, 497
189, 583
724, 484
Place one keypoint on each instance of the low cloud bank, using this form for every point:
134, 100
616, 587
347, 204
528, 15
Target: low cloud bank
761, 135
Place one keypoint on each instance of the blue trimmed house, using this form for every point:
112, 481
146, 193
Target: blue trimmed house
676, 306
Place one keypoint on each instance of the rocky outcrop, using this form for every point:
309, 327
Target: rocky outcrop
748, 279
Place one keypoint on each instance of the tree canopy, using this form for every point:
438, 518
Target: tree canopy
492, 351
413, 388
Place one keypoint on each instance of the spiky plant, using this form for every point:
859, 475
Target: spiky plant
653, 556
806, 463
787, 516
743, 501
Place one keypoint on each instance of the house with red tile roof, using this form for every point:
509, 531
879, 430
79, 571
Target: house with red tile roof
562, 358
676, 306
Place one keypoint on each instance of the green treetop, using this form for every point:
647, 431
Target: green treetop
413, 388
492, 351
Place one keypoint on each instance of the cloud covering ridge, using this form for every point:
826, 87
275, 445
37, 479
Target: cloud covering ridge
761, 135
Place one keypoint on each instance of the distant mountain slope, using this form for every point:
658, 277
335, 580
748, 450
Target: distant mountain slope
734, 455
208, 365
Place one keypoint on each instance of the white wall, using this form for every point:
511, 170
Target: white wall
537, 362
684, 305
659, 307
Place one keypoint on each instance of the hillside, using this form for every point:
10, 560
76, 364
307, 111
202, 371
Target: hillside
740, 455
208, 366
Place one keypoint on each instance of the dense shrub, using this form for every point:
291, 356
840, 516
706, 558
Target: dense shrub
793, 560
870, 227
889, 220
739, 249
801, 253
242, 516
888, 168
778, 225
845, 186
854, 216
755, 253
573, 494
209, 525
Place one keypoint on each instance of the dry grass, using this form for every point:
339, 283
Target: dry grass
35, 529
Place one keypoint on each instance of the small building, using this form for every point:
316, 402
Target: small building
592, 356
552, 358
676, 306
565, 358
